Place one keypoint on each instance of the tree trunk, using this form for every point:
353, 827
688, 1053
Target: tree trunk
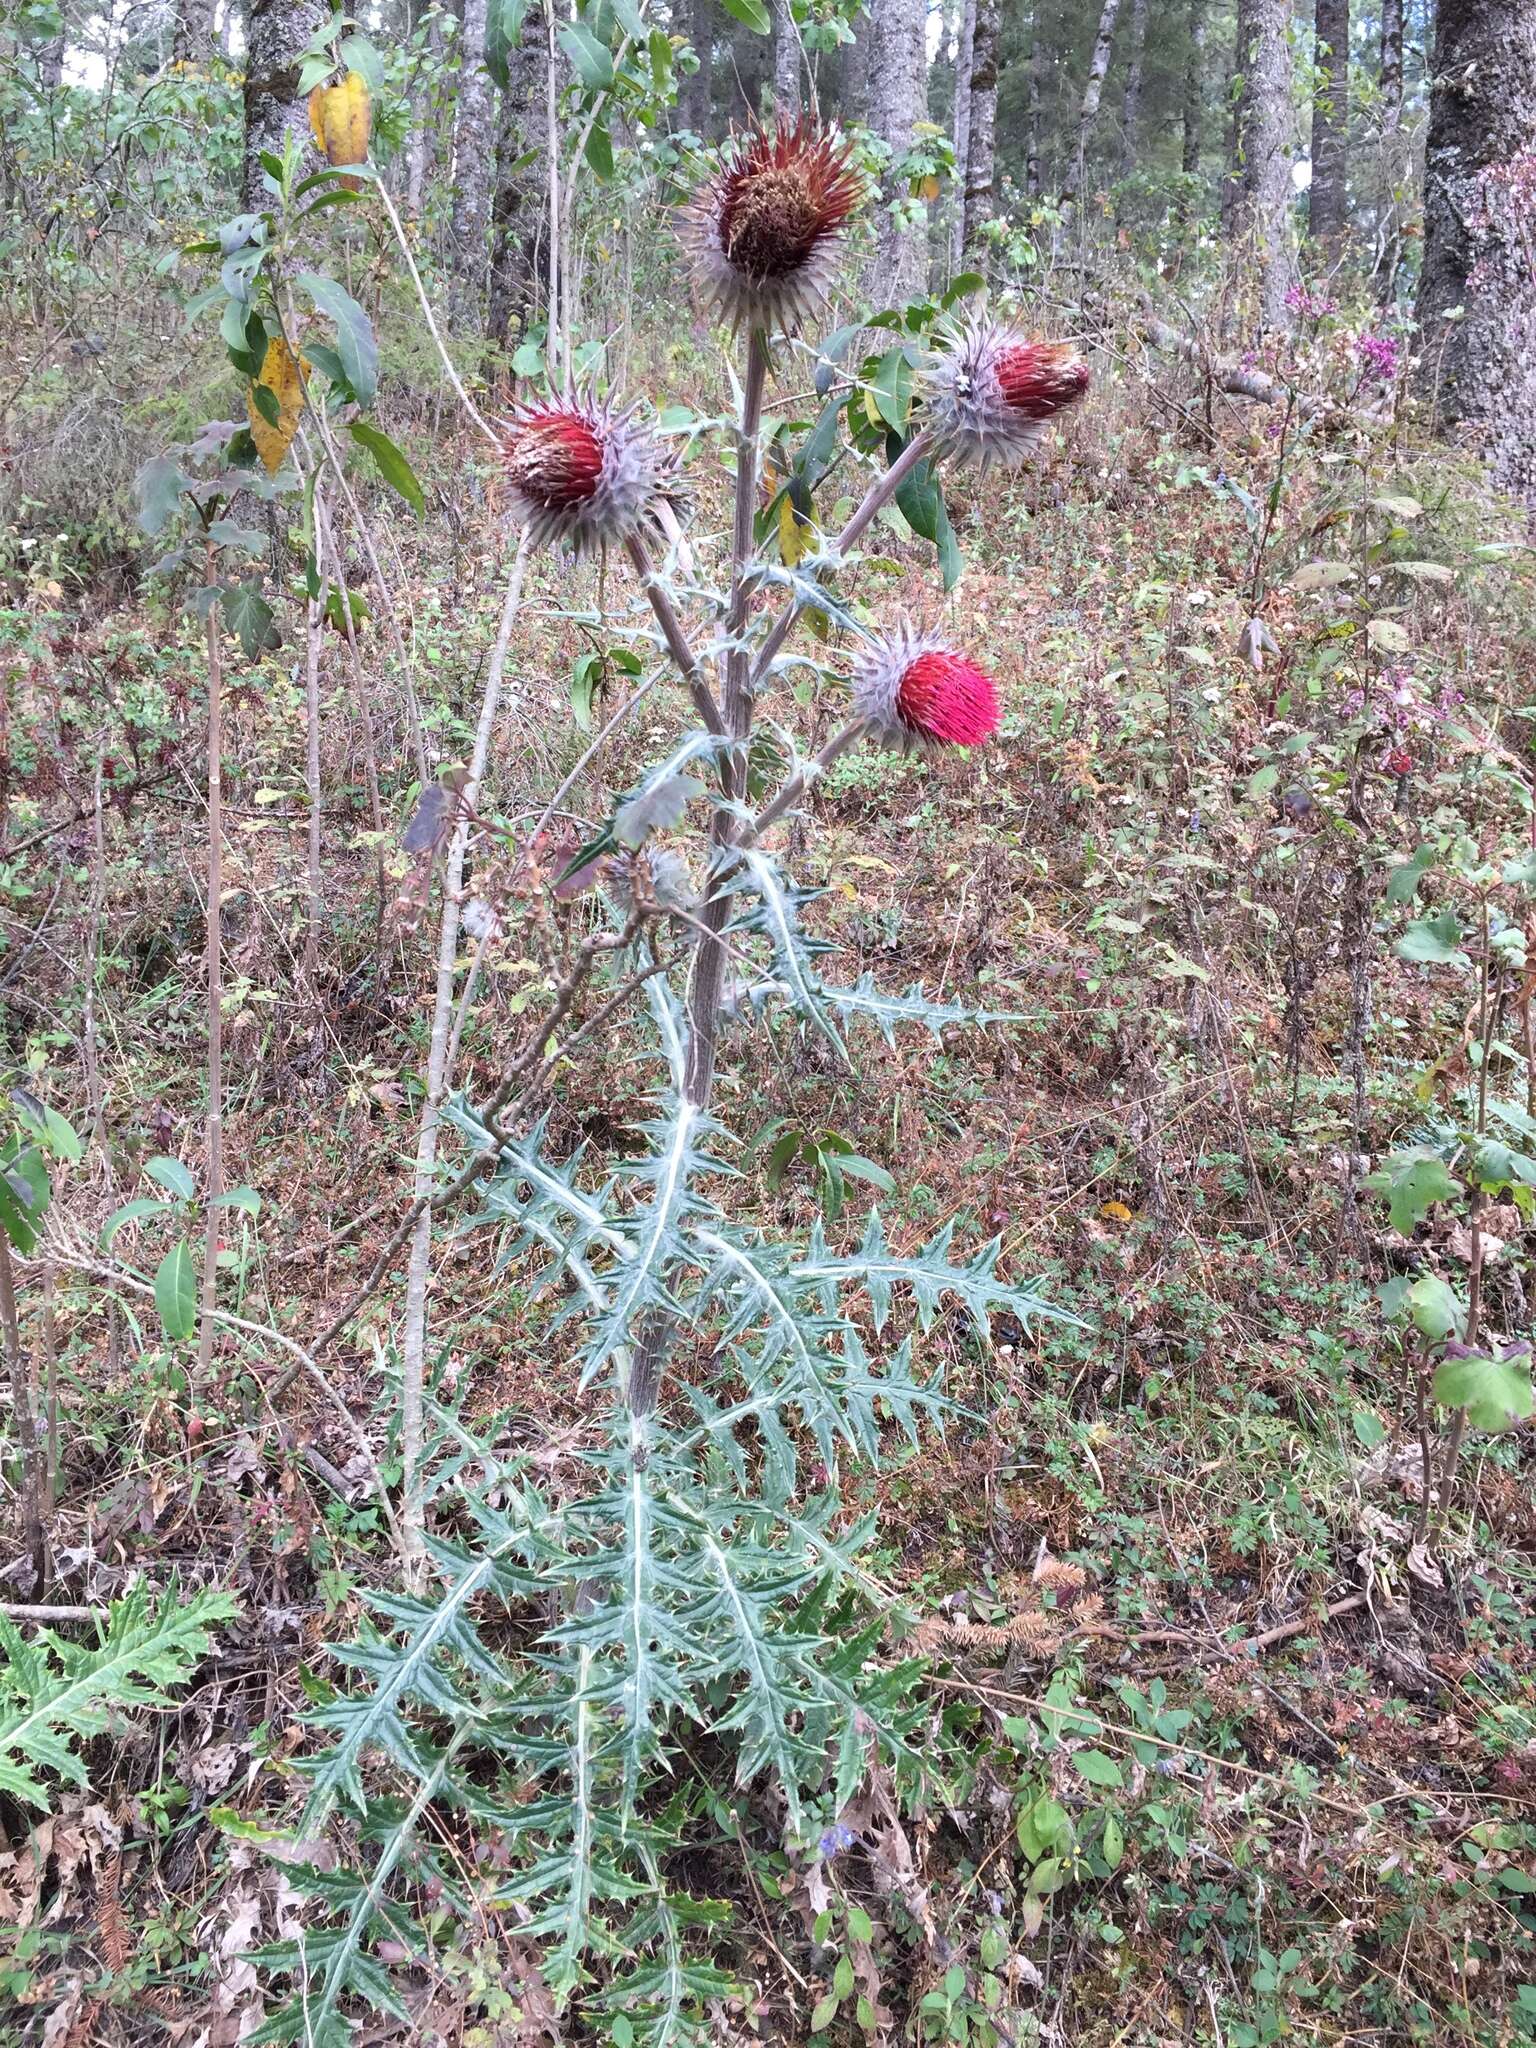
192, 36
1093, 92
517, 207
1478, 373
1261, 214
1194, 90
276, 33
853, 73
473, 154
1394, 172
788, 88
1327, 211
964, 46
898, 100
1391, 66
981, 164
695, 93
1034, 183
1130, 106
422, 148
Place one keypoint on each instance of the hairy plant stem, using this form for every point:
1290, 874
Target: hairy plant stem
214, 1127
708, 977
24, 1420
414, 1335
1487, 1016
315, 906
706, 981
675, 638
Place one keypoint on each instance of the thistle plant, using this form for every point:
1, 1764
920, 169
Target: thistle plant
704, 1578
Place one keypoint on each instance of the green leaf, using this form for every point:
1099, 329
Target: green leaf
961, 287
57, 1693
393, 467
249, 617
890, 388
1403, 882
354, 333
24, 1192
171, 1175
1096, 1767
593, 63
503, 32
1434, 1307
1112, 1842
132, 1212
599, 151
329, 364
176, 1293
159, 484
824, 2011
751, 14
1412, 1183
1495, 1392
245, 1199
1434, 940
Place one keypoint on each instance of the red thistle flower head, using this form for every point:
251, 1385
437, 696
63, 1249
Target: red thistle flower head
765, 233
992, 391
911, 689
583, 473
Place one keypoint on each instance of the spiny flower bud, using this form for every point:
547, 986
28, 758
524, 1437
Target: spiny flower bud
992, 391
765, 233
911, 689
583, 473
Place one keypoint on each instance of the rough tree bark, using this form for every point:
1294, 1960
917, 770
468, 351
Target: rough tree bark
192, 34
1478, 373
788, 86
1261, 212
981, 153
1135, 72
1194, 90
474, 122
696, 99
1393, 171
961, 128
898, 100
517, 205
1327, 209
276, 32
421, 151
1034, 183
1093, 92
853, 73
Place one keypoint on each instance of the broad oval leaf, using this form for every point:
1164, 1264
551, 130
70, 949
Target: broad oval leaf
176, 1293
355, 343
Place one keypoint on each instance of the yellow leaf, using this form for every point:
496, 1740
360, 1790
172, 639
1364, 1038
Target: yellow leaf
340, 117
929, 188
284, 378
1117, 1212
794, 534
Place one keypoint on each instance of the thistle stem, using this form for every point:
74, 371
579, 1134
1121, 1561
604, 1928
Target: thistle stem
879, 494
672, 633
708, 979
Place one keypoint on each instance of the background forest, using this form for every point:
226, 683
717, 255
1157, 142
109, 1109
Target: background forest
767, 866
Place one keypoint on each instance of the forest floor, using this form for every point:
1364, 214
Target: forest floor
1187, 1526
